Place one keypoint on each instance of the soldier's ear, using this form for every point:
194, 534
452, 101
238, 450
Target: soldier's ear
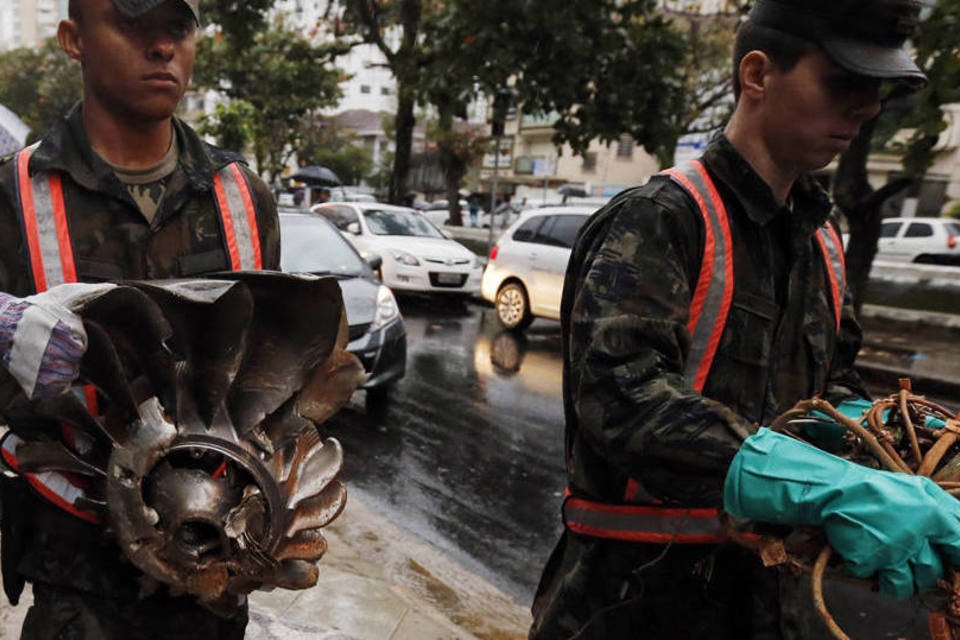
68, 35
754, 70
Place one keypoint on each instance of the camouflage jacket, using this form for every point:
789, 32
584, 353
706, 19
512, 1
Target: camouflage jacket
111, 238
629, 411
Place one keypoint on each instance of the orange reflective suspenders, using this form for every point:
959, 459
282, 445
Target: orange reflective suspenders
44, 220
709, 310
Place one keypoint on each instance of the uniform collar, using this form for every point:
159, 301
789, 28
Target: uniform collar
810, 202
67, 149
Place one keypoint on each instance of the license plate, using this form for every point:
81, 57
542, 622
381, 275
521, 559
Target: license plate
449, 278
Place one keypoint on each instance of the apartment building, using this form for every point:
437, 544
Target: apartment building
27, 23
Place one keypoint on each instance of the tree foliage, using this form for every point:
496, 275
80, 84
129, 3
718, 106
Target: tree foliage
604, 67
281, 76
39, 85
335, 149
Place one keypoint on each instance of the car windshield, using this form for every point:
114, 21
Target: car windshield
399, 223
953, 228
311, 245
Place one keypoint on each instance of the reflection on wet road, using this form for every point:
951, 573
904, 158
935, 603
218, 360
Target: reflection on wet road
468, 451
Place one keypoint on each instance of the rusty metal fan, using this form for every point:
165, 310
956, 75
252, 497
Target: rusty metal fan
205, 460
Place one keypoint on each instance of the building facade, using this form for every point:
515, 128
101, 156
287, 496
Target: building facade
27, 23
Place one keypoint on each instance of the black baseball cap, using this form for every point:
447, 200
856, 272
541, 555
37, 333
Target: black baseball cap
134, 8
866, 37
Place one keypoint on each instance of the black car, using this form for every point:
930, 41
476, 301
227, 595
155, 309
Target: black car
310, 244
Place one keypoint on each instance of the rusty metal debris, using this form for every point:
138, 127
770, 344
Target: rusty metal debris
893, 434
207, 464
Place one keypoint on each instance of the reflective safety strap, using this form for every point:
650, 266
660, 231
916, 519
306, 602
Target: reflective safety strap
44, 218
713, 294
238, 218
633, 523
55, 487
832, 249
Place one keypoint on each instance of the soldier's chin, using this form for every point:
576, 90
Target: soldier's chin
156, 108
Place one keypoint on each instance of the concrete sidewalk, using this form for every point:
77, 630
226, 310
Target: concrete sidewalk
377, 582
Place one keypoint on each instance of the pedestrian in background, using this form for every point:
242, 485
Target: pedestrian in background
703, 305
120, 189
473, 205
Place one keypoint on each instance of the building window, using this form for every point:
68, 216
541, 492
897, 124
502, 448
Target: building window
364, 88
625, 146
589, 162
384, 91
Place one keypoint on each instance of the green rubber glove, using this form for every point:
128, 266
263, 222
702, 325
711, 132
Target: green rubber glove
885, 523
829, 435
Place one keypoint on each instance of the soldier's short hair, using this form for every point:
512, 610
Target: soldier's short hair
783, 49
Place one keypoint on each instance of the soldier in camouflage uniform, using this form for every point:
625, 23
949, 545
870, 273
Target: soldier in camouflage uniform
137, 185
631, 415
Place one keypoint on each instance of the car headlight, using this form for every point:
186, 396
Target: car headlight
387, 309
404, 257
477, 262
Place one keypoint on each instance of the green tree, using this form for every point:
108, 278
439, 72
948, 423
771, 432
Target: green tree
605, 67
283, 77
231, 124
39, 85
337, 150
394, 27
937, 44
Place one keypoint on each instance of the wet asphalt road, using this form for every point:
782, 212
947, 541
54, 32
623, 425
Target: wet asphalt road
467, 452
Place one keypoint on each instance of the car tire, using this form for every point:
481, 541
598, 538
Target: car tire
513, 307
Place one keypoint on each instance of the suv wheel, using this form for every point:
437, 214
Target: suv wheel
513, 309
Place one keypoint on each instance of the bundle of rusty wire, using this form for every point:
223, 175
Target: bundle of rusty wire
905, 433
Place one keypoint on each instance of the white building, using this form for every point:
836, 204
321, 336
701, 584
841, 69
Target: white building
27, 23
369, 85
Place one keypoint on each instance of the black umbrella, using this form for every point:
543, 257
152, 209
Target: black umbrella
317, 176
572, 191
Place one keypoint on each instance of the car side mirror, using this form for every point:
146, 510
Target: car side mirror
354, 228
374, 260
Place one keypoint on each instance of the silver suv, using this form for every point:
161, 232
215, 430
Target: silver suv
524, 277
928, 240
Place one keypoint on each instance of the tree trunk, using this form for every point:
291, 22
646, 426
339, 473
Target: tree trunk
862, 206
454, 176
453, 167
401, 159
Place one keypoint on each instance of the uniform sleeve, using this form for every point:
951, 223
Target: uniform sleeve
15, 276
267, 221
844, 382
627, 344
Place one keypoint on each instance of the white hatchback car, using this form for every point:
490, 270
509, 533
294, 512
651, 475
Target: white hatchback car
524, 276
416, 255
924, 240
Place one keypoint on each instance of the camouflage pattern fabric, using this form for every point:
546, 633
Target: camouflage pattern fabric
111, 239
629, 411
84, 588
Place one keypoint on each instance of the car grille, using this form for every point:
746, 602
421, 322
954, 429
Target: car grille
452, 262
453, 284
358, 330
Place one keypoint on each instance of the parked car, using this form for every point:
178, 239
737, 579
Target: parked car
524, 276
416, 255
310, 244
438, 212
925, 240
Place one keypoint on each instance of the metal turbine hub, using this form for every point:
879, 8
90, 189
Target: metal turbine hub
207, 463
